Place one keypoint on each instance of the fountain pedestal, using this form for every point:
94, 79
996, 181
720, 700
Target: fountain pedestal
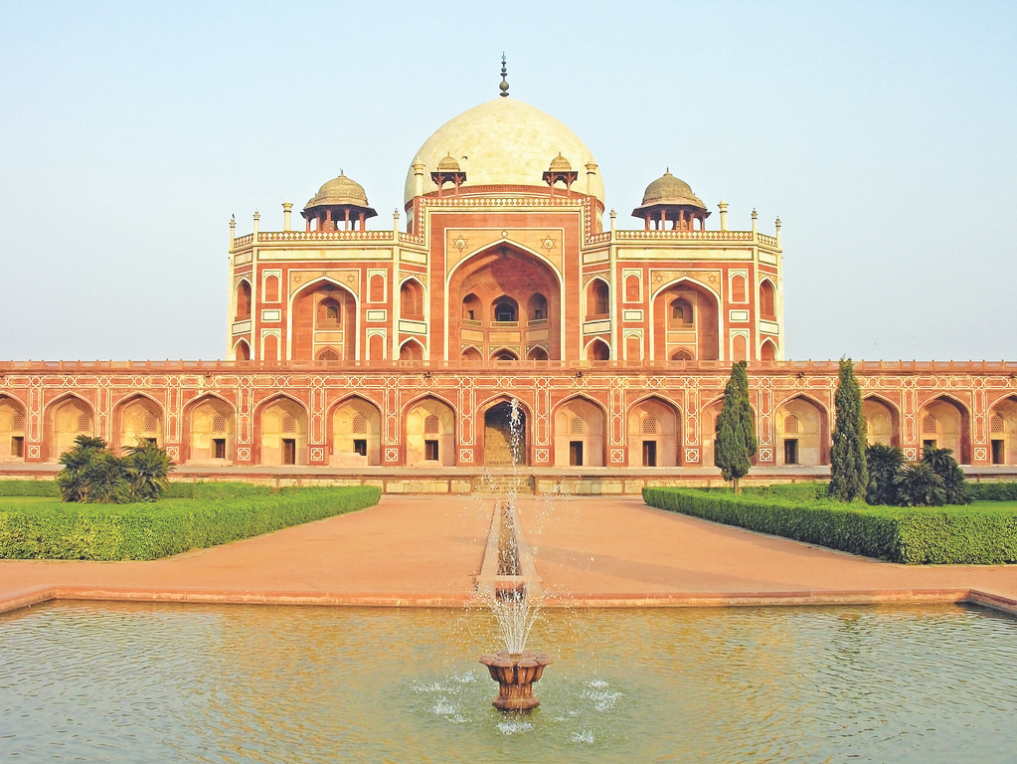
515, 675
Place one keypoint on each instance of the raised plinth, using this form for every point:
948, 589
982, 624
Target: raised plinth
515, 675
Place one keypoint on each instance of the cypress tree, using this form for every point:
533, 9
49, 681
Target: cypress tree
849, 474
736, 432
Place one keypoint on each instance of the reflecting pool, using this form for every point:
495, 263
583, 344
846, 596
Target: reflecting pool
110, 682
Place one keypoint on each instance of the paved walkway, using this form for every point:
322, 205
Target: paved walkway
427, 551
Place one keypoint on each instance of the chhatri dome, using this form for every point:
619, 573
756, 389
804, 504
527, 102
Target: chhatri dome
504, 142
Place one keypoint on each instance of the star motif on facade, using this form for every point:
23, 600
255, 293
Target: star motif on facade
460, 243
548, 243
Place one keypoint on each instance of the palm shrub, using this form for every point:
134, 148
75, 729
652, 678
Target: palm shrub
884, 463
94, 474
941, 461
148, 468
918, 485
848, 470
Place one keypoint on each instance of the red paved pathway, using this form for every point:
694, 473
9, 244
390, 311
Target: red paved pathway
424, 550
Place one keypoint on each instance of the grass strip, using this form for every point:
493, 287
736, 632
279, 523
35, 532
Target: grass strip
982, 534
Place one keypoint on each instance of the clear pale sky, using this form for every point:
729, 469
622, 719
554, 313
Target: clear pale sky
883, 134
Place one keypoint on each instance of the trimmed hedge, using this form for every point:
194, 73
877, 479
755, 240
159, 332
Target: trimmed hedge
29, 488
993, 491
980, 535
147, 531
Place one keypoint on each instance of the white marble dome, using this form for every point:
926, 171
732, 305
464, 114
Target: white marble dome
505, 142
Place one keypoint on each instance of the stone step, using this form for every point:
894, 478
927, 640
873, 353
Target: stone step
502, 485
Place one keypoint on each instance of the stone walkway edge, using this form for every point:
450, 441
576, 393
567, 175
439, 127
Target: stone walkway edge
29, 597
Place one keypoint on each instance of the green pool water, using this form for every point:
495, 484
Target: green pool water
103, 682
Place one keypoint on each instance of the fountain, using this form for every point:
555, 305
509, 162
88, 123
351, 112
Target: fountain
508, 584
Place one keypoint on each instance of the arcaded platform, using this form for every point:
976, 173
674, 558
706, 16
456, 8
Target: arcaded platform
427, 551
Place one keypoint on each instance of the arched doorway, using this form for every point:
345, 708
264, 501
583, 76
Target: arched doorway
139, 420
803, 433
430, 434
12, 429
653, 435
505, 435
210, 431
579, 434
1003, 431
356, 434
283, 433
324, 316
65, 421
944, 423
881, 422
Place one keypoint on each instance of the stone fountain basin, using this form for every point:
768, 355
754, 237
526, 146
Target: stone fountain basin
515, 675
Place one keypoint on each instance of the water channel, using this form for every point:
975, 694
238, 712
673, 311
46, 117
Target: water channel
116, 682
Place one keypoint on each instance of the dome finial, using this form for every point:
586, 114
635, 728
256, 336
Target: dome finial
504, 77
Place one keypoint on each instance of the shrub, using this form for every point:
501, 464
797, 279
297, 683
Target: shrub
957, 535
917, 485
992, 491
29, 488
143, 531
942, 463
92, 473
884, 463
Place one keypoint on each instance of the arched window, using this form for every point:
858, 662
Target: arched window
328, 354
471, 309
472, 354
632, 288
537, 353
768, 351
505, 355
791, 424
680, 313
737, 288
598, 350
411, 300
682, 355
767, 307
377, 288
505, 310
243, 301
242, 352
432, 425
411, 350
598, 299
537, 307
329, 314
271, 289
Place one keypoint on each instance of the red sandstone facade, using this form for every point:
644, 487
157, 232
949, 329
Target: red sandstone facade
404, 347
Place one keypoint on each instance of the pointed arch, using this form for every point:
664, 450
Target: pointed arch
1002, 427
323, 312
808, 444
537, 353
209, 427
505, 437
412, 303
471, 353
66, 417
671, 305
504, 354
580, 429
653, 425
137, 418
241, 350
242, 300
13, 428
952, 426
597, 350
355, 432
768, 350
280, 429
411, 350
767, 300
429, 423
882, 420
598, 299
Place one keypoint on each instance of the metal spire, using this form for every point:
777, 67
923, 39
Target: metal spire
504, 77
